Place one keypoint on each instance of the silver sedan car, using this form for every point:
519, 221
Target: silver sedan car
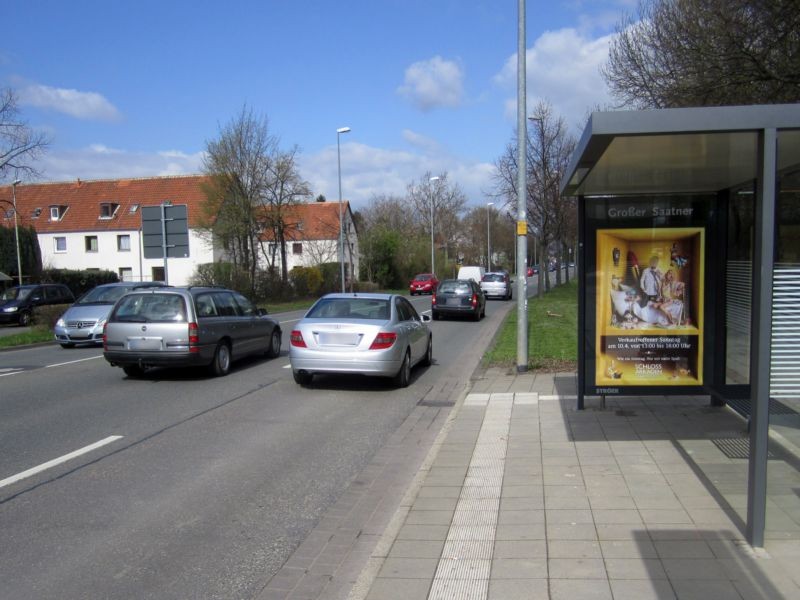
370, 334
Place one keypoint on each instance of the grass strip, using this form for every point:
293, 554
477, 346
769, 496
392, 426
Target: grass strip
552, 333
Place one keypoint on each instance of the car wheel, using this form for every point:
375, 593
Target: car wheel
133, 371
302, 378
412, 293
427, 360
24, 318
477, 315
221, 365
67, 345
274, 349
403, 377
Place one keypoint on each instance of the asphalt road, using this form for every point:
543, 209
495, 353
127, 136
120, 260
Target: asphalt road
211, 483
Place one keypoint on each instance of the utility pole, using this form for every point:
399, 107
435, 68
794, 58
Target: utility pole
522, 219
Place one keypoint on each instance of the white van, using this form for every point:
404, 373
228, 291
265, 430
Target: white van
474, 273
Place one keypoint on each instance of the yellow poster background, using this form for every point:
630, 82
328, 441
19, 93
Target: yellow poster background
663, 330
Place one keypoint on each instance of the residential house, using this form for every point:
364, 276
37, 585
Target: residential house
97, 224
312, 237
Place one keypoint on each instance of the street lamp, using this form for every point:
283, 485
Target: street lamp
339, 132
488, 237
433, 180
14, 185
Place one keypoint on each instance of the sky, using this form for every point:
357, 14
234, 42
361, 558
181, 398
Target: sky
137, 88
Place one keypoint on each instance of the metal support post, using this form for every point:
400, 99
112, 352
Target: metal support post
522, 193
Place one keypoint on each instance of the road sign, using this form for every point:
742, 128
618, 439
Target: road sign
165, 226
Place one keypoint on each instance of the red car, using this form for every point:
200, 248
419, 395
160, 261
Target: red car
424, 283
534, 270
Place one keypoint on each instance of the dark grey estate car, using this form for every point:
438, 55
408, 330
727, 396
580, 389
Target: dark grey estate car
183, 327
456, 297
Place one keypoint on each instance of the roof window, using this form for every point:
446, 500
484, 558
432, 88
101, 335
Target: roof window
56, 212
36, 213
108, 209
133, 208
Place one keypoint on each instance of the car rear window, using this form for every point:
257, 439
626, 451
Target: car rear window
147, 308
455, 287
422, 278
494, 277
350, 308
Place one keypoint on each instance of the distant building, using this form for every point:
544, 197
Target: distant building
312, 237
97, 225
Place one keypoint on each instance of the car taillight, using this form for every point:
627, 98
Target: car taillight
474, 300
383, 340
194, 338
296, 339
105, 337
433, 298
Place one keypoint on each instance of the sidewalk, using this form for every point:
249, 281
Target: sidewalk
529, 498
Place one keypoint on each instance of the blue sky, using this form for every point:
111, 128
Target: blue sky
131, 89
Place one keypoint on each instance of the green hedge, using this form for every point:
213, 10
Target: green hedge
78, 281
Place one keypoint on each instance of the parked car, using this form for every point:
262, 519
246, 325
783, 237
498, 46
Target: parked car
184, 327
497, 285
17, 304
83, 322
423, 283
458, 297
533, 270
474, 273
372, 334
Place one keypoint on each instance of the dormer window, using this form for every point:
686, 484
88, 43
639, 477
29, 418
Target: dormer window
56, 212
107, 210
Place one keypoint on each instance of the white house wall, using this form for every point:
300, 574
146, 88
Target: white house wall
109, 257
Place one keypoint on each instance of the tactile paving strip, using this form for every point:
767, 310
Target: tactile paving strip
464, 568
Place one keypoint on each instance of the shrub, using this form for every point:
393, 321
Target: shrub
46, 316
79, 281
306, 281
366, 287
330, 277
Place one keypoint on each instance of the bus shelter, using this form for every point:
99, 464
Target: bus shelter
689, 264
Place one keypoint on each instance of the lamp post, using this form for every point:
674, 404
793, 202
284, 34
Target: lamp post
339, 133
433, 180
488, 236
522, 187
14, 185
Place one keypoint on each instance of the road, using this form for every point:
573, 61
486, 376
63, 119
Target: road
211, 482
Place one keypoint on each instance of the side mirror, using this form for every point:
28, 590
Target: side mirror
426, 318
262, 312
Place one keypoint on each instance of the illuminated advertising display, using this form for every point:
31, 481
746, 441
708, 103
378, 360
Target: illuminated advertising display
649, 308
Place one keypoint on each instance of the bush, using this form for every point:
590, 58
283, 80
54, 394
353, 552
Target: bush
366, 287
306, 281
78, 281
223, 274
46, 316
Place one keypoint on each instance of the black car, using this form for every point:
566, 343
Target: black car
18, 303
458, 297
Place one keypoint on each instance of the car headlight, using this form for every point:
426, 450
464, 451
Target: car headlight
61, 323
10, 309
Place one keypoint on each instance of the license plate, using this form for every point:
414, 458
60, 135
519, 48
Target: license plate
454, 302
339, 339
144, 344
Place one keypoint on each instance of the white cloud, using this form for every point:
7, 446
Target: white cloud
433, 83
89, 106
368, 171
563, 67
98, 161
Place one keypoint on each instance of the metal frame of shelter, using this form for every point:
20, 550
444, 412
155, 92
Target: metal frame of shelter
684, 151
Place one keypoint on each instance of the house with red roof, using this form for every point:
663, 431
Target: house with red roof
97, 225
311, 231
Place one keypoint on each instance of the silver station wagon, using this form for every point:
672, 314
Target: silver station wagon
184, 327
369, 334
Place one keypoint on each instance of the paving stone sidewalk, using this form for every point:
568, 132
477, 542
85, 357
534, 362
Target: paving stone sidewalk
529, 498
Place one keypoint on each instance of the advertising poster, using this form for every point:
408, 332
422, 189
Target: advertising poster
649, 306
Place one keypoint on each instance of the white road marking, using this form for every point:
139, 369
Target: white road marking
58, 461
12, 371
289, 366
70, 362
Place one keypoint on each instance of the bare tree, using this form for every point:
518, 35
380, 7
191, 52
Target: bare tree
19, 144
448, 202
707, 53
284, 188
550, 146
